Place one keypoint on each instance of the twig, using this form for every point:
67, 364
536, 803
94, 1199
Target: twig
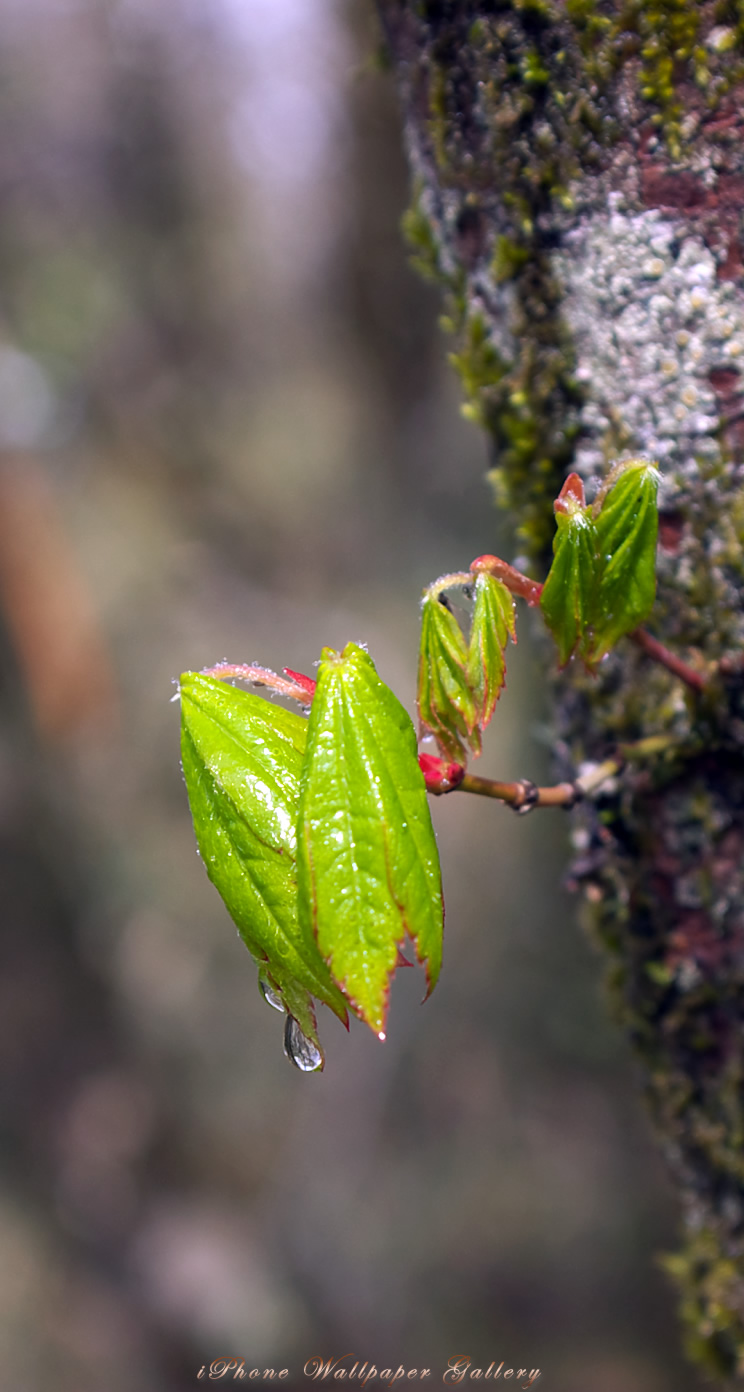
524, 795
697, 681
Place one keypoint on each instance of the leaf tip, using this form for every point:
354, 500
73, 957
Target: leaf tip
308, 684
571, 497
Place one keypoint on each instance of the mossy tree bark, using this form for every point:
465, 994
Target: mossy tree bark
579, 193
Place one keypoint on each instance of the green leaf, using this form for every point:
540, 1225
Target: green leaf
242, 759
627, 522
446, 702
368, 867
492, 623
569, 593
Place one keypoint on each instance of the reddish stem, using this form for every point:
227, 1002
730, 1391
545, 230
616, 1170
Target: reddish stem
261, 676
515, 581
658, 653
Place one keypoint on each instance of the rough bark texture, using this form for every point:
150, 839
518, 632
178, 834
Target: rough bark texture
579, 193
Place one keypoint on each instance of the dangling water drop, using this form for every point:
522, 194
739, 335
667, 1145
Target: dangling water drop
269, 993
303, 1053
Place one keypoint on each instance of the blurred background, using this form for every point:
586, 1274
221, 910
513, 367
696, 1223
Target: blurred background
228, 430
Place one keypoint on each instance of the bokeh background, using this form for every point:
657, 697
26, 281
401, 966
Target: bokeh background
228, 430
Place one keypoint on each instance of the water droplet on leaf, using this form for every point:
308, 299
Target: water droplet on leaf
304, 1054
269, 993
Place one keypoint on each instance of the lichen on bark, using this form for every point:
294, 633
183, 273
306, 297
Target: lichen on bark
578, 172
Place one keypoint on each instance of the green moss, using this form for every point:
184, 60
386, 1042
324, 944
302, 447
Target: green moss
508, 259
480, 367
533, 71
421, 238
516, 403
710, 1287
730, 13
665, 39
438, 125
669, 32
592, 27
542, 8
